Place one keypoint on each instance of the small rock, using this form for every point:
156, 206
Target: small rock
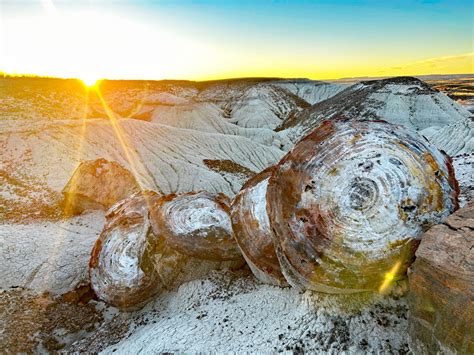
97, 185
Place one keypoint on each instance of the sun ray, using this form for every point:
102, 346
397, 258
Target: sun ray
390, 277
69, 201
136, 165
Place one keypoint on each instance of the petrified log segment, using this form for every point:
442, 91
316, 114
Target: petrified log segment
195, 236
122, 268
131, 261
252, 229
441, 297
97, 185
348, 204
197, 224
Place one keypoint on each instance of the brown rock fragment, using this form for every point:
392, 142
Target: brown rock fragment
441, 297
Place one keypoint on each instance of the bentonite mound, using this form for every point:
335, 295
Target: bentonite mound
97, 185
197, 224
122, 268
348, 204
441, 298
252, 229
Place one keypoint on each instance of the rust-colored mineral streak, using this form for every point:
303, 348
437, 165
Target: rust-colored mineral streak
348, 204
252, 229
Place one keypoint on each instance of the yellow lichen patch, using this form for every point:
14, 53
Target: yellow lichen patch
404, 207
431, 161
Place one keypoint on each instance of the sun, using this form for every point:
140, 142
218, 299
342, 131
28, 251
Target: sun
89, 81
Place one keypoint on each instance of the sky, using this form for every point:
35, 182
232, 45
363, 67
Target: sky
203, 40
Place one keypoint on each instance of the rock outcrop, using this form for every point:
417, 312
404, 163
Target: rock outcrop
348, 204
441, 297
97, 185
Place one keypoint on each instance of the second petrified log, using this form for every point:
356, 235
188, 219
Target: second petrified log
97, 185
197, 224
252, 229
348, 204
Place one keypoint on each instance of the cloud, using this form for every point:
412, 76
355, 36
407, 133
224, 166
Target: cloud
465, 60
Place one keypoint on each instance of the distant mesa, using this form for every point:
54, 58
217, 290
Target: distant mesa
400, 100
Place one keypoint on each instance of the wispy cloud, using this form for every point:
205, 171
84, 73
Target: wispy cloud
434, 64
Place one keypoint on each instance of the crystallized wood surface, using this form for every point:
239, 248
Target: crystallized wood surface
349, 203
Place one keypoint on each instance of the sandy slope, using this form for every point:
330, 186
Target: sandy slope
48, 256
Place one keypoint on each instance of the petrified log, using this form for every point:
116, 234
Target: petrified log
197, 224
122, 267
348, 204
97, 185
441, 297
133, 261
252, 229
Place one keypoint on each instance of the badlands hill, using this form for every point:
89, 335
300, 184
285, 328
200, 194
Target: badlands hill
403, 100
179, 136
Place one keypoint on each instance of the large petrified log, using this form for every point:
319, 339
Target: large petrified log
97, 185
441, 297
348, 204
152, 243
122, 268
252, 229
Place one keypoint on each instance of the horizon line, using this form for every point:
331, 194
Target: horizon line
37, 76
